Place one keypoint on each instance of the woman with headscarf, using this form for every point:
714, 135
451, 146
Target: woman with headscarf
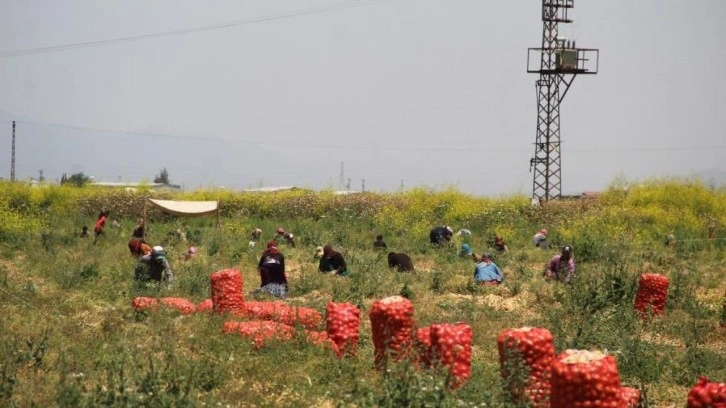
333, 262
561, 267
272, 272
487, 272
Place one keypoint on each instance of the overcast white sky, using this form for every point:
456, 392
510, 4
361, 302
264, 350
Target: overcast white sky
420, 92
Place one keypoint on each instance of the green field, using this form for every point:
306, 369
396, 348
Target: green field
70, 337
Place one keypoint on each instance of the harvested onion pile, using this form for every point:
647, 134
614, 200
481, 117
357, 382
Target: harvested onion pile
536, 348
585, 378
652, 294
342, 324
227, 291
392, 326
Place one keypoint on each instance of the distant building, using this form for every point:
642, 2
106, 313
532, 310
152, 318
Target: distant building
269, 189
132, 186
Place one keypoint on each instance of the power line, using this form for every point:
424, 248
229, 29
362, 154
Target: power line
376, 147
276, 16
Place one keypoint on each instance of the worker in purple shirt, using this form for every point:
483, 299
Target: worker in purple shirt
561, 267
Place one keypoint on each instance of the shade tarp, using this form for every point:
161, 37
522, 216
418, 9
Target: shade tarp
186, 208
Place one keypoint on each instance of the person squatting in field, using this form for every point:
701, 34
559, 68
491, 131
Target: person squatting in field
561, 267
256, 234
441, 235
500, 245
154, 266
100, 223
379, 243
286, 236
487, 272
400, 261
333, 262
540, 239
272, 272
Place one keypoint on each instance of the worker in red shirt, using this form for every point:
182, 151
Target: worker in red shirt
100, 223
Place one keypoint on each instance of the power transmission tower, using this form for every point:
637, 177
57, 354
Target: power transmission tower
363, 185
560, 61
12, 157
40, 176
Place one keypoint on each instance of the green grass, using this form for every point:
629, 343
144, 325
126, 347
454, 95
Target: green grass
69, 336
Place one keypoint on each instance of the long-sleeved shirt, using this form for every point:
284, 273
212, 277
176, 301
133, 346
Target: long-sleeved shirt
560, 269
487, 272
336, 263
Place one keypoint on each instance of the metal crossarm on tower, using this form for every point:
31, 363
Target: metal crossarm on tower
560, 61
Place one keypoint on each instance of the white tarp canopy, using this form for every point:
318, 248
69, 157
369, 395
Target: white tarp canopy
186, 208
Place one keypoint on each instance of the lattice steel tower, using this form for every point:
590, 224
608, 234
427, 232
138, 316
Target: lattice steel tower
560, 61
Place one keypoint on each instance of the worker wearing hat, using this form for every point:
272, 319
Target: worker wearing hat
154, 266
561, 267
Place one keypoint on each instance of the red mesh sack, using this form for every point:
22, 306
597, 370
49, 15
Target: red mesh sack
535, 346
260, 332
585, 378
392, 326
423, 346
205, 306
227, 291
182, 305
321, 338
631, 397
451, 345
342, 323
144, 303
652, 294
707, 394
284, 313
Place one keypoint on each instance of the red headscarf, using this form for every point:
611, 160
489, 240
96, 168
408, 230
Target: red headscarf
271, 249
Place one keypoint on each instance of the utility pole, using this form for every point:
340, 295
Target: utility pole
363, 185
40, 176
12, 157
560, 61
342, 172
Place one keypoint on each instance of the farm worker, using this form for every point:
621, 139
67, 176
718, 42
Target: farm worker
100, 223
400, 261
256, 234
191, 253
463, 233
487, 272
318, 252
287, 236
139, 229
333, 261
139, 247
670, 239
465, 251
272, 272
441, 235
84, 232
379, 243
154, 266
500, 245
561, 267
540, 239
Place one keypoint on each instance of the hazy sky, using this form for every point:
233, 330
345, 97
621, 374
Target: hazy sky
413, 92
